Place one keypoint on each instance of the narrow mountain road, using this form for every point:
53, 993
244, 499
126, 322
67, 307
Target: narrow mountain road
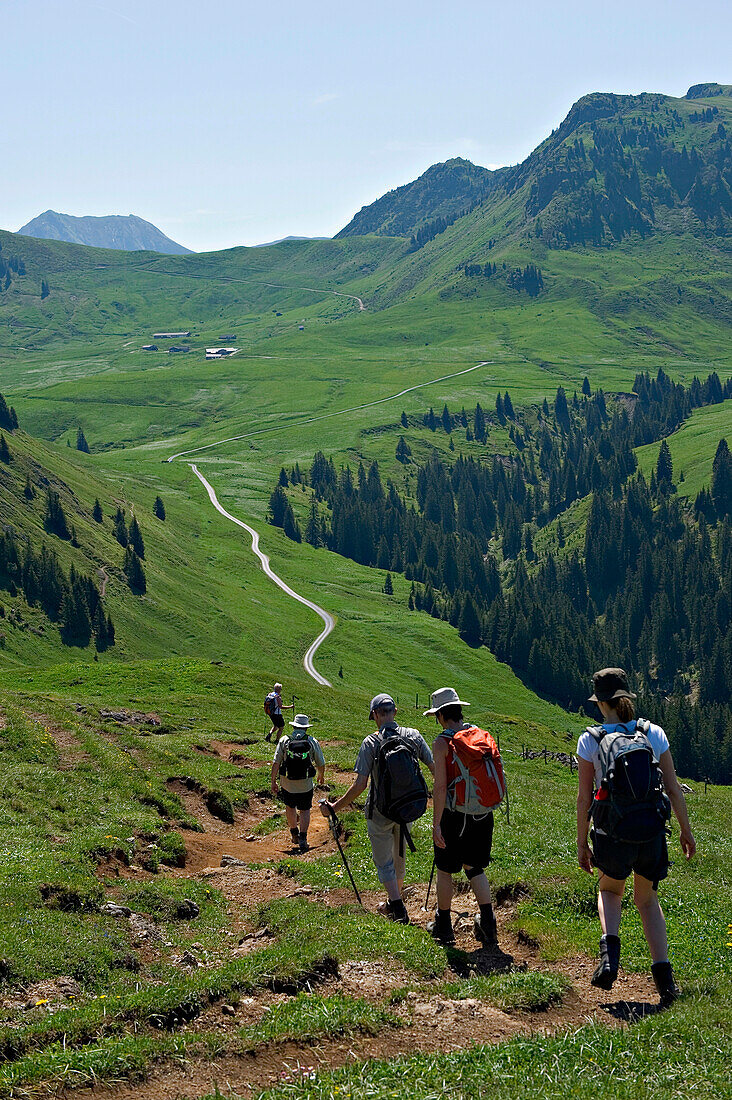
327, 618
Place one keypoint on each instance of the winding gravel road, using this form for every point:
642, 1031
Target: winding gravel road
327, 618
324, 615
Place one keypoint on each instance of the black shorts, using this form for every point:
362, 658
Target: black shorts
278, 721
302, 801
617, 858
468, 841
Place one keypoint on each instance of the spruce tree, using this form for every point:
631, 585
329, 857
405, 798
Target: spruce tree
97, 511
54, 519
135, 536
508, 406
120, 528
403, 419
388, 586
159, 508
4, 449
721, 487
132, 568
403, 450
664, 467
81, 443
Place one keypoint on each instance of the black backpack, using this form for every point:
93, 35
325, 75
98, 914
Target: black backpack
630, 804
398, 789
298, 762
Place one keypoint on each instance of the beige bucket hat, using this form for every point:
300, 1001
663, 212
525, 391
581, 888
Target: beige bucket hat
445, 697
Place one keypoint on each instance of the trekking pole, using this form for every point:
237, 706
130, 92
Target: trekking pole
429, 888
333, 824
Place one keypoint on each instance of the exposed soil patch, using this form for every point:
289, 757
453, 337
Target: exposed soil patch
70, 752
206, 849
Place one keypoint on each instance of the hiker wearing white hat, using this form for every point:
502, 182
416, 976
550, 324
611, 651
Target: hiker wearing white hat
390, 758
469, 785
297, 760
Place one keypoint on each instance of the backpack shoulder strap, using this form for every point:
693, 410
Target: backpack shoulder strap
596, 733
643, 725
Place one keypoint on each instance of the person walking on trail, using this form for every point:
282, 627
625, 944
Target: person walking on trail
390, 758
469, 784
627, 763
297, 760
274, 706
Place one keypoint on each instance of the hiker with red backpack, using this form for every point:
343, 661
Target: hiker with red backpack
297, 760
390, 758
273, 707
627, 789
469, 786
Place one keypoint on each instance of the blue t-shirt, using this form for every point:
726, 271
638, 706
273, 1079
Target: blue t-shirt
588, 749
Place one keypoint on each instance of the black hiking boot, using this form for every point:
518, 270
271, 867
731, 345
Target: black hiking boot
663, 979
302, 841
485, 927
397, 911
295, 834
607, 969
441, 927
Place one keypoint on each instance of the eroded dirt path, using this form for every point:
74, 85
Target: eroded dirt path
429, 1019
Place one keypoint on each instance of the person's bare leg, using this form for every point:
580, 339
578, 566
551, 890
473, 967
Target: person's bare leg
304, 821
654, 922
481, 887
609, 904
291, 815
445, 890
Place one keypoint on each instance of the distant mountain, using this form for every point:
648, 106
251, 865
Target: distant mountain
126, 232
283, 240
618, 165
447, 190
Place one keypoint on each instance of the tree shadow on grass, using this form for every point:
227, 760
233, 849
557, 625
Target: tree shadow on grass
484, 960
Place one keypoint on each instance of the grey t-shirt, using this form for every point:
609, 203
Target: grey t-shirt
366, 759
298, 786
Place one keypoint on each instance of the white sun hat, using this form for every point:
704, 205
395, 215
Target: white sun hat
445, 697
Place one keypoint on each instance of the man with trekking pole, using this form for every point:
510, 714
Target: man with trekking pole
469, 786
390, 759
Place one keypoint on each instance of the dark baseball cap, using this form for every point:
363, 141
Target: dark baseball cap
610, 684
383, 702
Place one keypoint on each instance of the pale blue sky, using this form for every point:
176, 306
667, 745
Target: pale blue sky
227, 122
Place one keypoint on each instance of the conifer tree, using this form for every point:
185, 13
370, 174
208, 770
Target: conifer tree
120, 528
721, 487
132, 568
97, 511
54, 519
159, 508
81, 443
135, 536
388, 586
403, 450
4, 449
404, 421
29, 492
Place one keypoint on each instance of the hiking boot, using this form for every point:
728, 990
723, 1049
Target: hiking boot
302, 841
665, 983
295, 834
397, 911
441, 928
607, 969
485, 927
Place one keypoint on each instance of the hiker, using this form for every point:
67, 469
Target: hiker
273, 706
469, 785
627, 763
398, 796
298, 757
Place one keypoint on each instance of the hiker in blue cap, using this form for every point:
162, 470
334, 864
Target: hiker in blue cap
390, 758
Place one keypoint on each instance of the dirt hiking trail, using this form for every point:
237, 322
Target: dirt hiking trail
427, 1018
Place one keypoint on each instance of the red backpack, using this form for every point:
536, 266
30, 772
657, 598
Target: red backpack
475, 780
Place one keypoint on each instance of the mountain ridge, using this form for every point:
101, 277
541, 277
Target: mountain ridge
125, 232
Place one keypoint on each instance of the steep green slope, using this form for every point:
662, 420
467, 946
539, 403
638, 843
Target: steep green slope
446, 190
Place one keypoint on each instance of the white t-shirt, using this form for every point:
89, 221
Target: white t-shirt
588, 749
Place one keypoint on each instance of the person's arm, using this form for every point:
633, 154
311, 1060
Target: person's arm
584, 801
426, 756
359, 784
439, 793
678, 803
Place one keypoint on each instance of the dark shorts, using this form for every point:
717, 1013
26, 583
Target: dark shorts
617, 858
297, 801
468, 841
278, 721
